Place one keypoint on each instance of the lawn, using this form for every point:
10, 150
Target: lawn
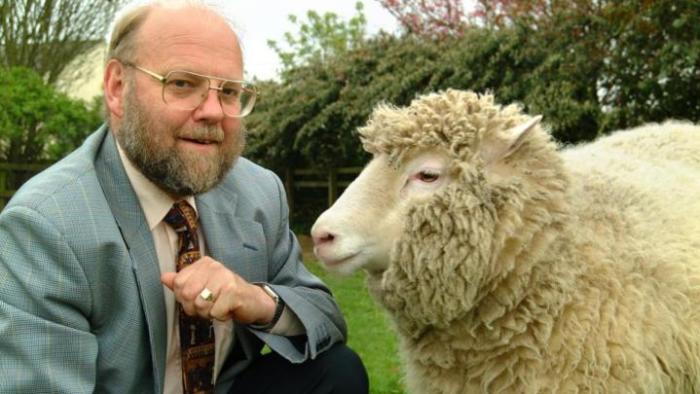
369, 329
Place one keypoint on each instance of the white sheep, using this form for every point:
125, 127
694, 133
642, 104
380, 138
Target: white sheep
511, 266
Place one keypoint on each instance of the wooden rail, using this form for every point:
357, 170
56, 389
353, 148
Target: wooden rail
333, 179
8, 177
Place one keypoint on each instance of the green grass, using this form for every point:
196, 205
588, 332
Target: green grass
369, 330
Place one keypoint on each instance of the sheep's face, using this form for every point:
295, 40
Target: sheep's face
361, 228
436, 166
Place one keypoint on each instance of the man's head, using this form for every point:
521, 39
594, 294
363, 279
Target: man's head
182, 149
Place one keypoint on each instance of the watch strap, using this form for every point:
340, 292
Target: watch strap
279, 308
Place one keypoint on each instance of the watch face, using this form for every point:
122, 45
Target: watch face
270, 292
273, 294
279, 306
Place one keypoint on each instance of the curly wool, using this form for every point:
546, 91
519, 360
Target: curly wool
579, 272
454, 120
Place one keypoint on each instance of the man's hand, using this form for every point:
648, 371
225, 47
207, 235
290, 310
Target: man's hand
234, 297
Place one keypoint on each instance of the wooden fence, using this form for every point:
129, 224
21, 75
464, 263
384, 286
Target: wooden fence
14, 174
333, 180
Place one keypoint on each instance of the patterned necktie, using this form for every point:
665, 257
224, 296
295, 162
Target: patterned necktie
196, 334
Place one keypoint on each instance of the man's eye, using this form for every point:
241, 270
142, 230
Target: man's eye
229, 92
181, 83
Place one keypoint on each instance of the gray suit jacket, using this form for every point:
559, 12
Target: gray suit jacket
81, 303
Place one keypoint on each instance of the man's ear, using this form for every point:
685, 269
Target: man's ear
114, 86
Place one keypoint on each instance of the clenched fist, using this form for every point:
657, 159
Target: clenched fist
233, 297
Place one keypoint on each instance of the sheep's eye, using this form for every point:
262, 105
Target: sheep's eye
428, 176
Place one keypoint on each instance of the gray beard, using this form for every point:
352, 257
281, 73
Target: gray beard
176, 172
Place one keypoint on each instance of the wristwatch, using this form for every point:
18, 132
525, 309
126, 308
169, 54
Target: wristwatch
279, 308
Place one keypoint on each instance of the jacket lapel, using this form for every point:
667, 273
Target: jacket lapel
139, 241
238, 243
231, 238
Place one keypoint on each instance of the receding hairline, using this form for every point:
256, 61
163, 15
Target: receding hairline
123, 44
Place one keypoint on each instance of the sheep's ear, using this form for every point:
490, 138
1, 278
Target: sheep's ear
493, 151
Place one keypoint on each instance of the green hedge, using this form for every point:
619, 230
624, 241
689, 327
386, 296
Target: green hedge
38, 123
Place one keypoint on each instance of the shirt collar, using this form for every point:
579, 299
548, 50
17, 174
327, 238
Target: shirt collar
154, 201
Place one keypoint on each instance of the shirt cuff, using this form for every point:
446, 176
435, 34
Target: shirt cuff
288, 324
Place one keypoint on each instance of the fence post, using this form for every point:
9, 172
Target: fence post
10, 178
332, 186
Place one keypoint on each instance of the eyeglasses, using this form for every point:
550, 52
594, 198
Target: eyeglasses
186, 90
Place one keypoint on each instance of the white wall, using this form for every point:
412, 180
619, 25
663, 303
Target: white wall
86, 83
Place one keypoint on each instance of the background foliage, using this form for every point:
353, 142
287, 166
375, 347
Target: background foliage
319, 37
38, 41
588, 66
46, 35
38, 123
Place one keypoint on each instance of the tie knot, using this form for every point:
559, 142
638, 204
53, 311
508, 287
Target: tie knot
182, 217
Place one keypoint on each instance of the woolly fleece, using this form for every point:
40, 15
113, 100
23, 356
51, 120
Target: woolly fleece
577, 272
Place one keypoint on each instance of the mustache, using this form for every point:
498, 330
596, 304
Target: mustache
203, 133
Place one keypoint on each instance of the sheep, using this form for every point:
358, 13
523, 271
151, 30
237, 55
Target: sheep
512, 265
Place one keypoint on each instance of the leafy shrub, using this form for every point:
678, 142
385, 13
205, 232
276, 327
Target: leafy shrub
38, 123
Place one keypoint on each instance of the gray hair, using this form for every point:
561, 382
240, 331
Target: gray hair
122, 40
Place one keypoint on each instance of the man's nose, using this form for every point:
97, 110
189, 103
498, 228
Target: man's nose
210, 108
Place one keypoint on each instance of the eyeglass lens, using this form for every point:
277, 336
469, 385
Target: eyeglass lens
187, 91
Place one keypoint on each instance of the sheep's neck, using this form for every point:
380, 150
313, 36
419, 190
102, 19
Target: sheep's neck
529, 292
524, 288
525, 303
518, 303
507, 330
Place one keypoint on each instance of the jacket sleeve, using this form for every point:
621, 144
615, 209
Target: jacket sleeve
303, 293
46, 343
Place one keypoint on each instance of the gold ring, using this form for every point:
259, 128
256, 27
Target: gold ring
207, 295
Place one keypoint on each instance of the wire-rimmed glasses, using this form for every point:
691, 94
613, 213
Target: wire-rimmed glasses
186, 90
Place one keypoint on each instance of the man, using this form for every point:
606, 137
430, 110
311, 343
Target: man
103, 287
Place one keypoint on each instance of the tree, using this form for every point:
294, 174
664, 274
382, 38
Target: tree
37, 123
320, 37
589, 66
289, 109
45, 35
428, 18
502, 13
651, 70
310, 119
626, 62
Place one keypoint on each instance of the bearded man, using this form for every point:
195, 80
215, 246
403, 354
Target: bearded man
154, 258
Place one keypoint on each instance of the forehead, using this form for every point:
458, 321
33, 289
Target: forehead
189, 38
417, 158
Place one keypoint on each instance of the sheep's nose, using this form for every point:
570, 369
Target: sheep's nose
321, 237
